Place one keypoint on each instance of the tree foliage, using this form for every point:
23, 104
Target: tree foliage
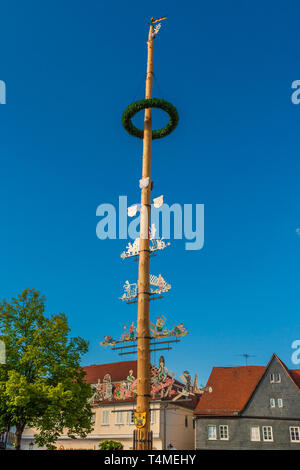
41, 384
110, 445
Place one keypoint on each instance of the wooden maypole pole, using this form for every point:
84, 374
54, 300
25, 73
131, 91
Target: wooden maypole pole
142, 439
143, 335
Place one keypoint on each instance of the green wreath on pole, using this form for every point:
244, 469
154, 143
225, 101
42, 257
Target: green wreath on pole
137, 106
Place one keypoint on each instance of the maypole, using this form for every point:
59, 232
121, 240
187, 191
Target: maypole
143, 439
143, 335
151, 382
145, 245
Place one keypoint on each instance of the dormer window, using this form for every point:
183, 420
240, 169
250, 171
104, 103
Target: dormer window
275, 378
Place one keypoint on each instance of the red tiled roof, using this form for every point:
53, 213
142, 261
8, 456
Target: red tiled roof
295, 374
233, 386
231, 389
117, 370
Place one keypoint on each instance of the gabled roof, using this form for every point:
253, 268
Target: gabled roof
232, 387
231, 390
117, 370
292, 373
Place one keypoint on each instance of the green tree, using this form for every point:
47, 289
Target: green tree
41, 384
110, 445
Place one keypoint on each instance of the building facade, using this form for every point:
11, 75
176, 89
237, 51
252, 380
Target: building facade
113, 406
250, 408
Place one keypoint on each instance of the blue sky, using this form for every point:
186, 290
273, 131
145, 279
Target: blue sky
71, 68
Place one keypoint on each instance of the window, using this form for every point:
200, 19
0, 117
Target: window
152, 416
212, 432
275, 378
105, 418
272, 402
280, 403
255, 433
223, 431
130, 417
119, 417
93, 419
186, 422
267, 433
295, 433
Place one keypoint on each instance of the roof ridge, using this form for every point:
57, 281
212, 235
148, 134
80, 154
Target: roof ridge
287, 370
108, 363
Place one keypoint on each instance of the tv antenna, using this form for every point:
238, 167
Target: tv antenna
246, 356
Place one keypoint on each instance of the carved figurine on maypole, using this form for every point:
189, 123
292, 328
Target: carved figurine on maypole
156, 244
159, 286
158, 330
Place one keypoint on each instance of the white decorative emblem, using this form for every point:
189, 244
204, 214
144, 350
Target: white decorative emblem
158, 244
133, 249
158, 283
144, 182
158, 202
156, 29
130, 291
132, 210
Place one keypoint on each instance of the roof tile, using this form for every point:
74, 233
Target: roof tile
117, 370
231, 389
